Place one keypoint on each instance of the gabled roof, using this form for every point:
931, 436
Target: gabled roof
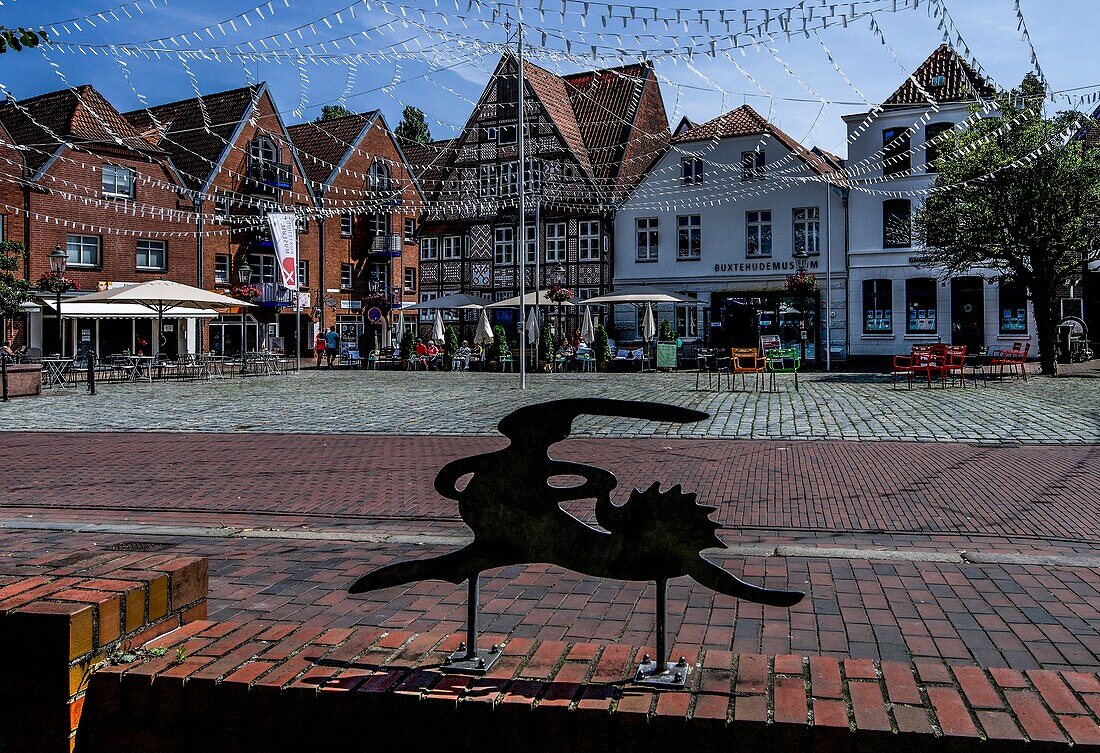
622, 119
78, 116
328, 142
960, 82
745, 121
428, 162
551, 91
197, 142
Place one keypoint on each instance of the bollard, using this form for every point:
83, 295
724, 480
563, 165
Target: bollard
91, 372
4, 375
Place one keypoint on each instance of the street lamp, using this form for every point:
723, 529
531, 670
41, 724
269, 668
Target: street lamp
800, 256
58, 261
244, 277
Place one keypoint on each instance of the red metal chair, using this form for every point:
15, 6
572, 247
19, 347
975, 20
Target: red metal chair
954, 362
916, 362
1014, 360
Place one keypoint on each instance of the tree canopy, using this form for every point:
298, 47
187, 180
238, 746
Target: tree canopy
331, 112
18, 38
1017, 192
14, 290
413, 128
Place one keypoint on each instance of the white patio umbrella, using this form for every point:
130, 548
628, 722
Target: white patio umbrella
484, 333
649, 326
588, 332
452, 301
437, 327
163, 295
542, 297
640, 294
532, 326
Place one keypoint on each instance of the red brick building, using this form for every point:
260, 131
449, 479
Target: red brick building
237, 161
369, 204
92, 185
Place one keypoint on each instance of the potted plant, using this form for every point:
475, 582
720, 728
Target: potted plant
407, 347
802, 282
602, 348
450, 345
247, 292
56, 282
498, 351
665, 331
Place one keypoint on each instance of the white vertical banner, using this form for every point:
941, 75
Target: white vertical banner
284, 236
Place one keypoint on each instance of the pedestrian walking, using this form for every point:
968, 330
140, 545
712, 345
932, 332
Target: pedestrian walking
332, 345
319, 347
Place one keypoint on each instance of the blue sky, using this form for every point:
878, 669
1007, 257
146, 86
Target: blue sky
1061, 32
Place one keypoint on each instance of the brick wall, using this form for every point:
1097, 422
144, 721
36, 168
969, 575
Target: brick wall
61, 615
271, 687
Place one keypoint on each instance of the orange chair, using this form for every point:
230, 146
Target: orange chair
747, 361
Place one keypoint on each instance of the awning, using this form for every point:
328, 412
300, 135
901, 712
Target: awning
75, 309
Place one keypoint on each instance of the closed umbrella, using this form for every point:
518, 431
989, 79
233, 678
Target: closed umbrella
400, 326
484, 332
437, 327
532, 326
649, 326
588, 332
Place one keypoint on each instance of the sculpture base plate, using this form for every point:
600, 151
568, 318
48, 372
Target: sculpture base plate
674, 677
461, 663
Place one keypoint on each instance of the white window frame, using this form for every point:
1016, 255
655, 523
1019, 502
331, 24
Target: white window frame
409, 229
487, 185
689, 226
588, 240
557, 241
347, 275
752, 165
647, 238
347, 225
504, 245
807, 221
509, 179
451, 247
530, 243
221, 268
303, 273
410, 271
754, 231
427, 315
81, 244
161, 248
378, 176
110, 181
532, 176
264, 269
429, 248
691, 171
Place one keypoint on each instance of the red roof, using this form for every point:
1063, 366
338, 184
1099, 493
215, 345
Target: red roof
325, 142
946, 77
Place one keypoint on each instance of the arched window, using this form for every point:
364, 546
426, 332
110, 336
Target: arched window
263, 149
378, 177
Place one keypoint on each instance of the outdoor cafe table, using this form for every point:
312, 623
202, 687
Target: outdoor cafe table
55, 370
136, 367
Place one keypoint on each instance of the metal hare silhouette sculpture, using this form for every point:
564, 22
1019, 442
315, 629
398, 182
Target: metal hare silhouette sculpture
517, 518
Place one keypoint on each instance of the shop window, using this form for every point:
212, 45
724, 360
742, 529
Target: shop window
878, 307
920, 306
151, 254
689, 240
758, 233
897, 223
895, 151
1013, 307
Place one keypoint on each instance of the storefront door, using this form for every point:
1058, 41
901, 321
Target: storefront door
968, 312
744, 319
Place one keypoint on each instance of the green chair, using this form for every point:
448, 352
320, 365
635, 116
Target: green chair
783, 361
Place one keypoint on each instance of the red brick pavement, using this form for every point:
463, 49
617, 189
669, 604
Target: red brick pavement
946, 488
911, 497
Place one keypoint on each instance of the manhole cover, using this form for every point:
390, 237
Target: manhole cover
139, 546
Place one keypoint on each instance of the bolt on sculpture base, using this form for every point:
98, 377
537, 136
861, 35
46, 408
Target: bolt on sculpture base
517, 518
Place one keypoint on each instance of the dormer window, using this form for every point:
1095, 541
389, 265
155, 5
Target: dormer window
939, 81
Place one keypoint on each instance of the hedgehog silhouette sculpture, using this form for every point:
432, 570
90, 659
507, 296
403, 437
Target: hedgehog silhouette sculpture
517, 518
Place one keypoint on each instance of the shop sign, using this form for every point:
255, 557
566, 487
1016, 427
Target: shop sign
765, 266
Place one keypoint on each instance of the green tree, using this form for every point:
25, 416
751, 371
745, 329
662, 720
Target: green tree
600, 345
331, 112
499, 350
450, 341
665, 331
19, 38
408, 344
14, 290
546, 343
1017, 196
413, 128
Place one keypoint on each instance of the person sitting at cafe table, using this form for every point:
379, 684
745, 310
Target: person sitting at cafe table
6, 352
435, 356
461, 360
421, 352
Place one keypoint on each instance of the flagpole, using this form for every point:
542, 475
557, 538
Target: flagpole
522, 239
